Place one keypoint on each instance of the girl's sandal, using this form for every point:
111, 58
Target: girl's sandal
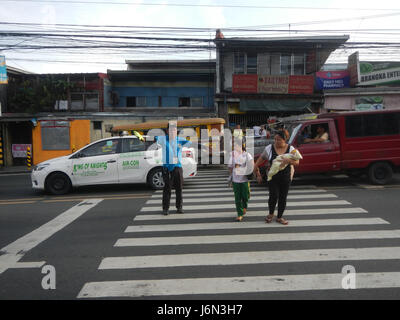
239, 219
282, 221
269, 218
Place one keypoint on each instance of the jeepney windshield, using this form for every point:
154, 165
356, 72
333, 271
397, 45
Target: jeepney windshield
294, 133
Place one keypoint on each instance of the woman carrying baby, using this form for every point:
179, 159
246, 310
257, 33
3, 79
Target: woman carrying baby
280, 182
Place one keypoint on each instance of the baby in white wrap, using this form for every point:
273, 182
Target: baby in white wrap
276, 163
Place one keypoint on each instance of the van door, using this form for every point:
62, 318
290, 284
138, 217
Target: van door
96, 164
318, 156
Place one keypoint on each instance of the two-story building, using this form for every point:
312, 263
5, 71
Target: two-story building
162, 88
260, 77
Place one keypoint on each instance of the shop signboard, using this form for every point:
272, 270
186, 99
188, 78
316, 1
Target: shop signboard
379, 73
271, 84
326, 80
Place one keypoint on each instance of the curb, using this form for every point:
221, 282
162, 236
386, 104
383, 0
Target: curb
13, 172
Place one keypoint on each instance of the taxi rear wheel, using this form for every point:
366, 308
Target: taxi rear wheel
155, 179
58, 183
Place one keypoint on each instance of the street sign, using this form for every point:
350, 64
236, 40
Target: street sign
3, 70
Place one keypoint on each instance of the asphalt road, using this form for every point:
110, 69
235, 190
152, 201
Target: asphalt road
105, 236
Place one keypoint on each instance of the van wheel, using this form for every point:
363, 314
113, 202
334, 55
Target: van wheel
155, 179
58, 183
380, 173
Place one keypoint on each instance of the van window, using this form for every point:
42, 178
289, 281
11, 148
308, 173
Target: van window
372, 125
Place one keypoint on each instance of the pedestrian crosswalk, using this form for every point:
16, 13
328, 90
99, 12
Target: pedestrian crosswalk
186, 248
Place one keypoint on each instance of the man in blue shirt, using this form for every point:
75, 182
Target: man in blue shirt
172, 166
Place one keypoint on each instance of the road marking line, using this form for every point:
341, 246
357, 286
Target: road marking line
255, 257
264, 204
224, 181
105, 198
28, 265
242, 238
257, 213
210, 178
225, 186
13, 252
20, 199
252, 198
17, 202
257, 224
158, 193
215, 286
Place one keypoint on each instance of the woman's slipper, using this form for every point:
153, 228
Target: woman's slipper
282, 221
269, 218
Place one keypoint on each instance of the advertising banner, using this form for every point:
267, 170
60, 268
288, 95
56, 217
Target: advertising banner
273, 84
376, 73
326, 80
244, 83
252, 83
369, 103
19, 150
301, 84
3, 70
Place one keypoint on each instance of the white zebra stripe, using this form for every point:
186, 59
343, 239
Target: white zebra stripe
229, 191
243, 238
215, 286
255, 257
156, 199
257, 213
251, 205
252, 225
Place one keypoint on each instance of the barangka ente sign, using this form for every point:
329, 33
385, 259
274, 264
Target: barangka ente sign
253, 83
375, 73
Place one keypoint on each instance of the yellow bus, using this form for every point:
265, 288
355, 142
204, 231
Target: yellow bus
197, 124
214, 126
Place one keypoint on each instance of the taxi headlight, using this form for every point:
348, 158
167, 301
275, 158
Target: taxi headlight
40, 166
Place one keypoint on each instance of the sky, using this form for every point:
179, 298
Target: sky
359, 19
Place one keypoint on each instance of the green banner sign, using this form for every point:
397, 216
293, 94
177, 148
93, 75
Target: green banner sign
379, 73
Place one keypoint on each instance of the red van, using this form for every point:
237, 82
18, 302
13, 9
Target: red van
358, 142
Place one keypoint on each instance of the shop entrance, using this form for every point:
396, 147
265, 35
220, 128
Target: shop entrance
19, 135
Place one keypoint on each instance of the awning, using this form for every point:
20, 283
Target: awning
274, 104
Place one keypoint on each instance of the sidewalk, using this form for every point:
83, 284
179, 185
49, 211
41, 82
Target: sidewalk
14, 169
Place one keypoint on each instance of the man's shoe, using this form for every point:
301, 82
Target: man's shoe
165, 212
179, 210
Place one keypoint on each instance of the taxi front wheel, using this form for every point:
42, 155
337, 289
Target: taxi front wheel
58, 183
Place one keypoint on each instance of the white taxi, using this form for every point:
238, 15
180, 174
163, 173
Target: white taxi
113, 160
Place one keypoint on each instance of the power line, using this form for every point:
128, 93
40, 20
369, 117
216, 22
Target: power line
231, 6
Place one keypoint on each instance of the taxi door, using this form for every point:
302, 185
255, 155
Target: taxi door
97, 163
134, 161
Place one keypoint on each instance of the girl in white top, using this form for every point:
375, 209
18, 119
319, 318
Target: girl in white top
240, 165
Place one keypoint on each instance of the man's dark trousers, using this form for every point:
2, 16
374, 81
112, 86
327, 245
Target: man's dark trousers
172, 178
